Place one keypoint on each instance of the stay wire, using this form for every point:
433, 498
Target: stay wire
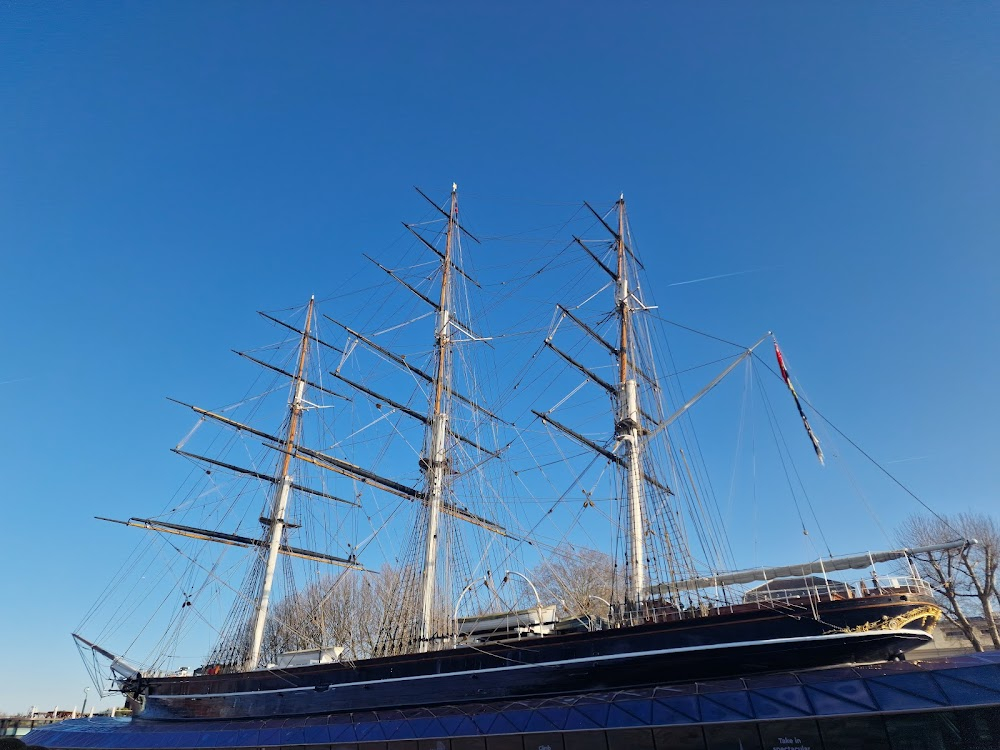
864, 453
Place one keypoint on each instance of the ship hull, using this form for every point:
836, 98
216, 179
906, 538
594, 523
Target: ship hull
722, 645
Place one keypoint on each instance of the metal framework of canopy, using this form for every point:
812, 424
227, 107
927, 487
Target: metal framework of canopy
822, 565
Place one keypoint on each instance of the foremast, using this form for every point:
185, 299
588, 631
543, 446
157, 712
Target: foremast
435, 459
628, 427
283, 488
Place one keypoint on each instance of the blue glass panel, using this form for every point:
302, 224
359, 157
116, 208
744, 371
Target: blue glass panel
595, 712
737, 703
988, 677
503, 725
458, 725
962, 692
685, 705
851, 690
391, 727
369, 731
246, 738
268, 737
642, 710
341, 733
539, 722
558, 716
484, 721
82, 739
767, 707
576, 719
663, 716
923, 687
518, 719
964, 660
713, 711
888, 698
190, 739
794, 697
211, 726
315, 735
618, 717
212, 739
293, 735
419, 727
827, 704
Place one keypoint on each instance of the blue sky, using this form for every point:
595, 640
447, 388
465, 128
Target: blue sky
166, 170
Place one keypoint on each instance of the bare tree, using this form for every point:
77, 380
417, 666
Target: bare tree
965, 578
582, 580
980, 564
349, 610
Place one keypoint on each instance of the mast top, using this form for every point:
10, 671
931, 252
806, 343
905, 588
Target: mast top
454, 187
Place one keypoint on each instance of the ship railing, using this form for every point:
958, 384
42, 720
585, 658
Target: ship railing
880, 585
841, 590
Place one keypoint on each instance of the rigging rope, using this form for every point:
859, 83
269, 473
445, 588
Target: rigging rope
875, 463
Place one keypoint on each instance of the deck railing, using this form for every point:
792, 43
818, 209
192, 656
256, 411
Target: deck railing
876, 586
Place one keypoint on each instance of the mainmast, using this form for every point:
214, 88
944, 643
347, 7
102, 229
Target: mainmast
434, 461
629, 426
283, 483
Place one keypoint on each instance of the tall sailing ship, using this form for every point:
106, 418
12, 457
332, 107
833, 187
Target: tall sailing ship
451, 609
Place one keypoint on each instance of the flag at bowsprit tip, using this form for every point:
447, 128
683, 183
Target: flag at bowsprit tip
805, 420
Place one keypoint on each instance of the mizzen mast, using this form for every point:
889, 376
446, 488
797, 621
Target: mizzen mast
628, 427
283, 483
435, 460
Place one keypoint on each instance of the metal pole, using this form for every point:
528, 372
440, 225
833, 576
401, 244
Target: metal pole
538, 602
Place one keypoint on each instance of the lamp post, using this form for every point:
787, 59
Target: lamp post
86, 692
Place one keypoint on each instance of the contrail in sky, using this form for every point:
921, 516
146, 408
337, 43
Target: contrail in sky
720, 276
904, 460
15, 380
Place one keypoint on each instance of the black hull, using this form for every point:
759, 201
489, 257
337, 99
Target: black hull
722, 645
